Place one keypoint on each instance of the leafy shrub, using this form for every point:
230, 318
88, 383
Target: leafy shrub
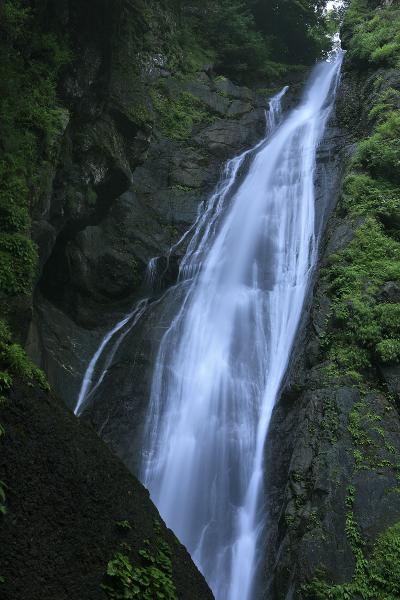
296, 31
363, 195
380, 153
249, 40
388, 101
376, 578
389, 350
151, 580
14, 361
5, 382
123, 525
18, 257
241, 49
362, 327
374, 35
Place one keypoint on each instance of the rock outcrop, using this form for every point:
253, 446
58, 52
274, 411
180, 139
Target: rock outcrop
332, 457
71, 507
134, 164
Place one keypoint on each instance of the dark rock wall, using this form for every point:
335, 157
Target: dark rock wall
334, 441
126, 185
65, 496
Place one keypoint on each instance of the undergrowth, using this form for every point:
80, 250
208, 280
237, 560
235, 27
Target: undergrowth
151, 579
376, 578
177, 116
14, 362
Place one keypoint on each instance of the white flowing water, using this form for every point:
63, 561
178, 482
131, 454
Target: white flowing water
222, 361
220, 365
89, 386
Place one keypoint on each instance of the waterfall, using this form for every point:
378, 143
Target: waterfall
221, 363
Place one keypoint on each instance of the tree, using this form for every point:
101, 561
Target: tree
298, 27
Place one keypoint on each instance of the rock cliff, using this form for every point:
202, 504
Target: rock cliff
145, 128
333, 450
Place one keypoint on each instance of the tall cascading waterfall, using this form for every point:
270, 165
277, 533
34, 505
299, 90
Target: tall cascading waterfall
221, 363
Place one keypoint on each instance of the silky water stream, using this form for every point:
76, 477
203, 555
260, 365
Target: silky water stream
221, 362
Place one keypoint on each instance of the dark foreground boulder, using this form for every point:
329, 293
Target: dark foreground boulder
71, 506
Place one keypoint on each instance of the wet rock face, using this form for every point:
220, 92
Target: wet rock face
125, 193
122, 188
331, 460
118, 408
97, 264
67, 493
308, 490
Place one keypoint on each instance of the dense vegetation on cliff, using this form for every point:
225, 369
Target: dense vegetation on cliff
363, 283
345, 493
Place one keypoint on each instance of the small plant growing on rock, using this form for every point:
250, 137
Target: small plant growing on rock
149, 580
123, 525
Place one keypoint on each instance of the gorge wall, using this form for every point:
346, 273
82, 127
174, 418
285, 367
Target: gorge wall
74, 522
332, 457
114, 128
143, 122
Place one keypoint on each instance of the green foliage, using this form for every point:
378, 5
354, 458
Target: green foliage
182, 188
30, 120
389, 350
330, 422
364, 330
241, 49
15, 362
124, 525
380, 153
6, 382
363, 327
250, 39
150, 580
15, 357
18, 256
297, 32
363, 195
177, 116
13, 19
374, 35
3, 508
388, 101
376, 578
